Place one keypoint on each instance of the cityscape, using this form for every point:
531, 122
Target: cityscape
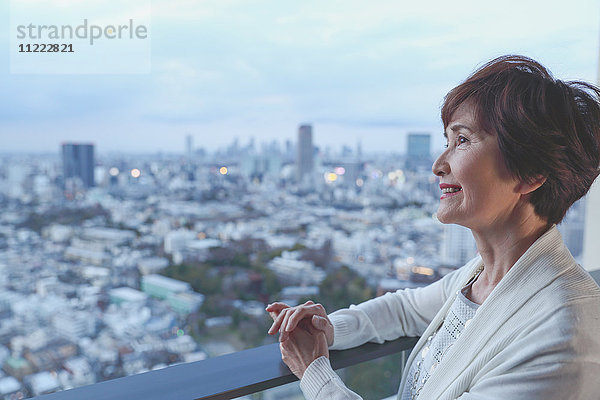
114, 264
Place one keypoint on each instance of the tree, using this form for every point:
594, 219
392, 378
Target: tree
343, 287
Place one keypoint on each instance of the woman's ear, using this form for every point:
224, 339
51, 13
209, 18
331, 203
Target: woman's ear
525, 187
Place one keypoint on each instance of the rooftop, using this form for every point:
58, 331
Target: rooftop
167, 283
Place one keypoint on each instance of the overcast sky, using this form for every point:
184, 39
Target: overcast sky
358, 70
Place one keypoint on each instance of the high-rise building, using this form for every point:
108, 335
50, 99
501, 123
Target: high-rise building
352, 171
189, 146
258, 166
289, 150
418, 152
78, 162
591, 236
572, 227
304, 160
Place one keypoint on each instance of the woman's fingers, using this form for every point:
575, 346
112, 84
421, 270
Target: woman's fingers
286, 319
319, 322
308, 310
276, 308
278, 312
277, 320
296, 316
283, 334
293, 312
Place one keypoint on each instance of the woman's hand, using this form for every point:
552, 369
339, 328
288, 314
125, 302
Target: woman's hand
286, 319
302, 347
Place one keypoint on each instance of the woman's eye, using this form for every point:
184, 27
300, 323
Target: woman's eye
461, 139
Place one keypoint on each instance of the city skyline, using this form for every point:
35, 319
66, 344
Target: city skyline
355, 72
258, 147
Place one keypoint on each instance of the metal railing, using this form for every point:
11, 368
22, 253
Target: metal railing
226, 377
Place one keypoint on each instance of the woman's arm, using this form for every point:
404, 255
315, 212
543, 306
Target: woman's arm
305, 329
405, 312
320, 382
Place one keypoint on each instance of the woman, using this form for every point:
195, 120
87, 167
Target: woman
522, 319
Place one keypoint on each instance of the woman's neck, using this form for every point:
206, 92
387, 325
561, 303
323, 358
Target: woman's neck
500, 247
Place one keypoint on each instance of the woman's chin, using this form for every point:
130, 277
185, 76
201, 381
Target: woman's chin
448, 218
443, 217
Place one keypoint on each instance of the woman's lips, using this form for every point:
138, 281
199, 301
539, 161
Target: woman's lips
449, 190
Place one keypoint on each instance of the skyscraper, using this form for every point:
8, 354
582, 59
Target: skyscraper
304, 159
418, 153
78, 162
572, 228
591, 250
189, 146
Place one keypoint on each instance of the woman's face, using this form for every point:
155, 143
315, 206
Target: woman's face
477, 189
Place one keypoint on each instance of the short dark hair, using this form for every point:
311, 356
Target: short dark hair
545, 127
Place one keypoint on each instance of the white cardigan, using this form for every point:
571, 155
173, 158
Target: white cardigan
537, 335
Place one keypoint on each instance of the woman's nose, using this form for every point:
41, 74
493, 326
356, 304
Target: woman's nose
440, 166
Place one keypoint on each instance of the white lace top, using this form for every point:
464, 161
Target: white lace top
459, 316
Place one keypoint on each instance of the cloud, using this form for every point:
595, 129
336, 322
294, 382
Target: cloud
236, 67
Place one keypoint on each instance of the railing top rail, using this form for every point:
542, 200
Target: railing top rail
226, 377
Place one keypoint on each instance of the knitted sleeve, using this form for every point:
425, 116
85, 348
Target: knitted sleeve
406, 312
320, 382
403, 313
